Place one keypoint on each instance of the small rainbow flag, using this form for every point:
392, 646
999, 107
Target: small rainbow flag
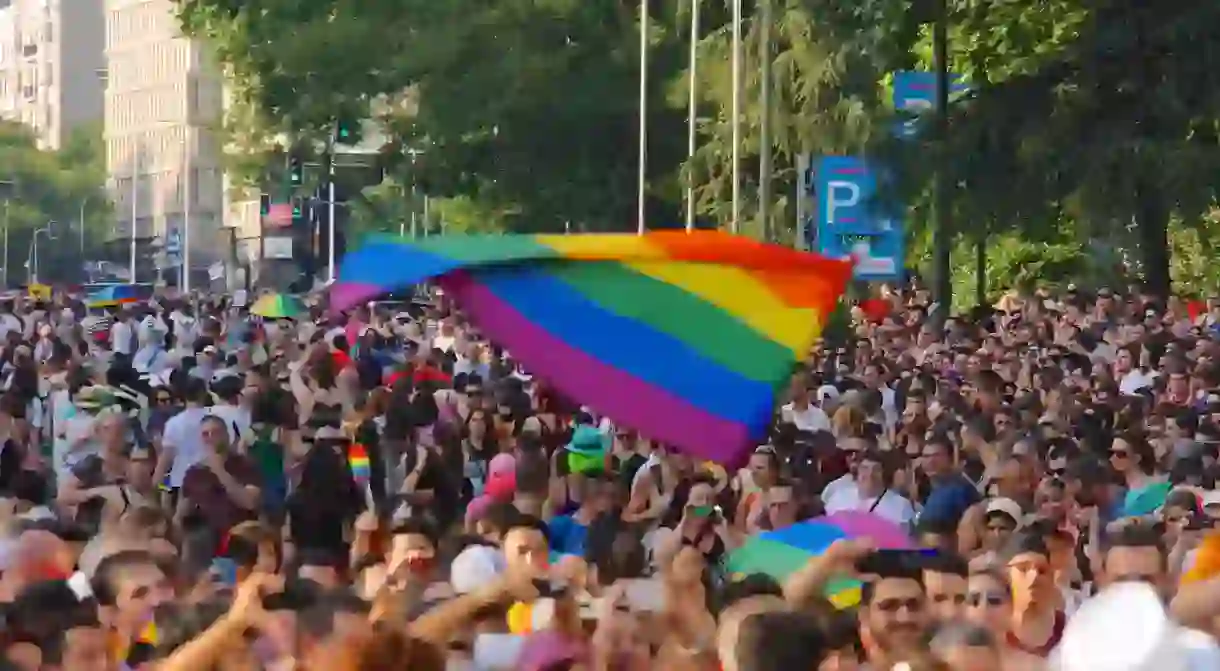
149, 634
358, 460
684, 337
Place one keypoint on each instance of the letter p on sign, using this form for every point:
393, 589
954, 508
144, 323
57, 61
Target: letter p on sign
840, 194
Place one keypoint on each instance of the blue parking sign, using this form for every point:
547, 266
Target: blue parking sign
850, 223
915, 93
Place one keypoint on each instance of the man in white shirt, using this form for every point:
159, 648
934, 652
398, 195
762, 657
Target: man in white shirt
228, 389
9, 321
802, 412
182, 441
871, 494
185, 325
853, 447
122, 335
151, 358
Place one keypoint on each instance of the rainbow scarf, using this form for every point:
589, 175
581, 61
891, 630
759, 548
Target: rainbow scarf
684, 337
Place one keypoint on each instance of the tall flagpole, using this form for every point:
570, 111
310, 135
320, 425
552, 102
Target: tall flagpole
184, 258
135, 205
764, 151
736, 124
690, 116
643, 115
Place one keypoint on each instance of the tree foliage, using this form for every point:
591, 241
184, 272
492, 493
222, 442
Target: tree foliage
1099, 111
1087, 120
53, 188
528, 108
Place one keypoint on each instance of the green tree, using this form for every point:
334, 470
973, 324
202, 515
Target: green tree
53, 188
1104, 113
520, 107
824, 102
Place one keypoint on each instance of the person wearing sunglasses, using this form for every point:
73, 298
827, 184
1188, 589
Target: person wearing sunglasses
988, 605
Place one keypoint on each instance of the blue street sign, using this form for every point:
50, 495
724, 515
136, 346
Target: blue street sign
915, 93
851, 224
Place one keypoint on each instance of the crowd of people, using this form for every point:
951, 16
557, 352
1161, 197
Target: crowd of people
186, 486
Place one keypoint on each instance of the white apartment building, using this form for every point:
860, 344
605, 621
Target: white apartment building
51, 65
164, 107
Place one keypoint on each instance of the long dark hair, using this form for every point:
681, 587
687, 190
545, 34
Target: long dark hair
488, 447
326, 497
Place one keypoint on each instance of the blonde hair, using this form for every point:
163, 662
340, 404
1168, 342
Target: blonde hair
848, 422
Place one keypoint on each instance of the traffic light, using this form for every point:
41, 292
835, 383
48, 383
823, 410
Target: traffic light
296, 170
264, 204
298, 209
347, 131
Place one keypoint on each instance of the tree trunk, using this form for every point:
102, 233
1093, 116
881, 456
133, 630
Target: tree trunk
1152, 219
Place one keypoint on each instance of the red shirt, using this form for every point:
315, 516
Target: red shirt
341, 359
420, 374
203, 490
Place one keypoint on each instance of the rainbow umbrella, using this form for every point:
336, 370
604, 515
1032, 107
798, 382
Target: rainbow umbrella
781, 552
108, 297
277, 306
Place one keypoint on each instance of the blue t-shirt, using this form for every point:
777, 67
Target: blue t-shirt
567, 536
948, 500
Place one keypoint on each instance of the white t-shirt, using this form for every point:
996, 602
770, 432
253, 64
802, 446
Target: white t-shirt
892, 507
150, 360
837, 485
811, 418
69, 425
235, 417
185, 327
183, 433
443, 342
120, 338
10, 322
1134, 381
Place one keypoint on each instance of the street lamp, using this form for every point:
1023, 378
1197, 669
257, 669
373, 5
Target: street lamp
80, 220
31, 262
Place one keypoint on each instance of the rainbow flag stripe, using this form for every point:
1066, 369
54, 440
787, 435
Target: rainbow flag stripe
358, 461
684, 337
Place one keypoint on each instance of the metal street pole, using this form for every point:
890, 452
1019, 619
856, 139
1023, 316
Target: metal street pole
764, 177
184, 281
135, 206
640, 177
330, 212
5, 243
943, 231
31, 262
690, 115
736, 123
80, 221
414, 223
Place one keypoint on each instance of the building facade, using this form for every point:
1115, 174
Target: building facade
52, 66
163, 108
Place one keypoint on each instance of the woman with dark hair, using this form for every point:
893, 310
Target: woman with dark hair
325, 498
479, 445
1135, 462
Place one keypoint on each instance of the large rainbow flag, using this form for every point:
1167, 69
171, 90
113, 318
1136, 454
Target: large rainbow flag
684, 337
